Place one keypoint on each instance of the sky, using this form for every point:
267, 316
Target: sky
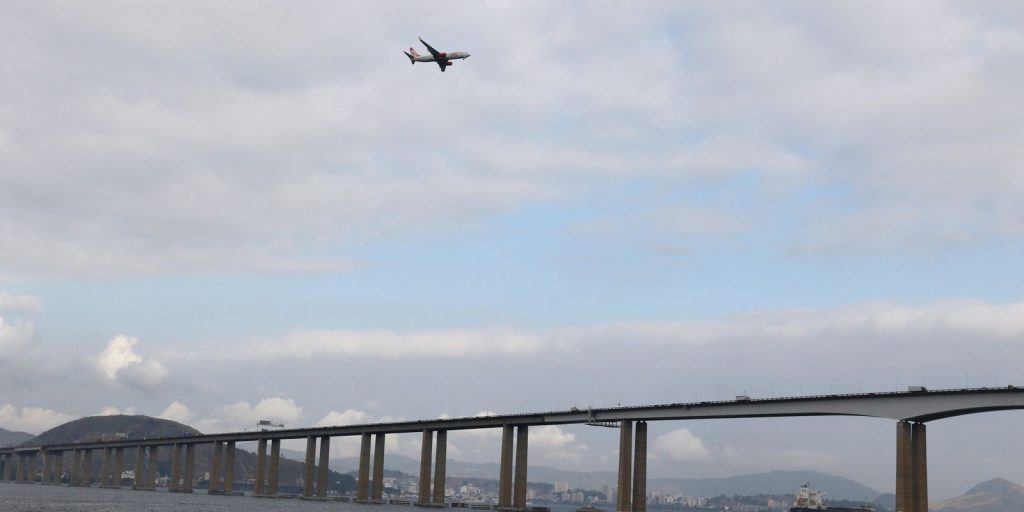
221, 212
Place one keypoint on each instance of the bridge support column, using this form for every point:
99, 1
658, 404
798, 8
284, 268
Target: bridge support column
363, 476
624, 503
425, 454
911, 467
151, 468
261, 466
139, 481
275, 465
229, 468
47, 474
86, 478
640, 468
522, 449
75, 476
175, 482
32, 468
5, 462
505, 468
322, 469
58, 468
215, 468
920, 466
440, 465
307, 468
190, 467
115, 476
105, 468
377, 493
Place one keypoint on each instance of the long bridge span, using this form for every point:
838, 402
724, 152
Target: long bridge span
911, 410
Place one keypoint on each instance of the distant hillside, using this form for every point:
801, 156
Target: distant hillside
9, 438
96, 428
773, 482
143, 427
995, 495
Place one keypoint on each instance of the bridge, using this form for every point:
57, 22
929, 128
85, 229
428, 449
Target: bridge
911, 410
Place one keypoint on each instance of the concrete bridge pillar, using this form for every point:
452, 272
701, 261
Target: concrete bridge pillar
176, 457
363, 475
57, 472
275, 465
6, 464
522, 450
640, 468
47, 474
32, 468
86, 478
624, 503
911, 467
115, 474
377, 493
632, 478
325, 457
505, 467
75, 477
139, 482
215, 467
151, 468
307, 468
190, 467
425, 454
440, 465
105, 468
261, 466
229, 468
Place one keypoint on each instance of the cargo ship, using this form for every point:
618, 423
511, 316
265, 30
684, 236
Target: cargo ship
809, 500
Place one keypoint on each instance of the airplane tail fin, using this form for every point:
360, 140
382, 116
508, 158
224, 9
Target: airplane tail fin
412, 54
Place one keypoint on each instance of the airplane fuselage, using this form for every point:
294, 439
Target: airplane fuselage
447, 56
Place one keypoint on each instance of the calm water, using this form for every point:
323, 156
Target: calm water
26, 497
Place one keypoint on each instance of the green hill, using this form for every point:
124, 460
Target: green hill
9, 438
145, 427
997, 495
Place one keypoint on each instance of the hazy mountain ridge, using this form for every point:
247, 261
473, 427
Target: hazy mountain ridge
996, 495
772, 482
13, 438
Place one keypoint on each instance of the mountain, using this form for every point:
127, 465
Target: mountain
95, 428
995, 495
8, 438
772, 482
142, 427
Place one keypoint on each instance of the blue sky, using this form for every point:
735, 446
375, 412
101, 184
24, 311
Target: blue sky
213, 214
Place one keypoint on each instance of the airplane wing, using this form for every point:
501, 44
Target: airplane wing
431, 49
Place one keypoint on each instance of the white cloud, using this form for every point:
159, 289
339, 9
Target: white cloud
16, 337
805, 93
119, 364
346, 417
681, 445
19, 303
33, 420
308, 344
177, 411
111, 410
550, 436
242, 414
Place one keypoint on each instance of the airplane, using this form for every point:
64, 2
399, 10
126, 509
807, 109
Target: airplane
443, 59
